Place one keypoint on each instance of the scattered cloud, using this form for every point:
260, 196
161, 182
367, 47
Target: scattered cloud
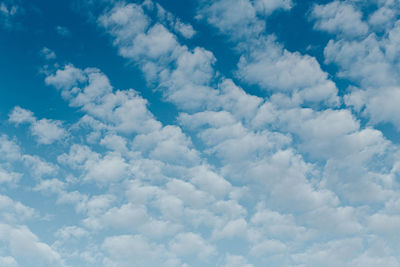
272, 163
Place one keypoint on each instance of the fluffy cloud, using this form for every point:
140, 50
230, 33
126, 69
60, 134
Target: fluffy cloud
288, 177
125, 249
236, 261
124, 111
276, 69
370, 62
189, 243
339, 18
46, 131
26, 247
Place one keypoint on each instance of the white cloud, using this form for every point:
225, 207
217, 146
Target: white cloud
38, 167
9, 150
47, 53
276, 69
210, 182
266, 7
165, 194
65, 79
50, 186
339, 18
46, 131
26, 247
380, 105
20, 115
185, 244
8, 261
110, 168
68, 232
333, 253
125, 249
370, 63
237, 18
268, 247
124, 111
114, 142
186, 30
9, 177
174, 23
382, 17
169, 145
236, 261
234, 228
12, 211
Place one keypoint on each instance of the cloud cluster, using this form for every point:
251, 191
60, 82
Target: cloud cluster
46, 131
295, 178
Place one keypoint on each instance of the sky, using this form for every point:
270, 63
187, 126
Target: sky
235, 133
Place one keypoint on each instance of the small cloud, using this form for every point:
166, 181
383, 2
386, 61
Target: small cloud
47, 53
46, 131
63, 31
8, 10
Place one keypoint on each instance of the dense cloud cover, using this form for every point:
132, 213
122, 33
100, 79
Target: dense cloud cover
288, 158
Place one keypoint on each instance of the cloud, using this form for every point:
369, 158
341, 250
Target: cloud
63, 31
47, 53
189, 243
237, 19
263, 60
9, 9
12, 211
339, 18
10, 151
26, 247
124, 249
174, 23
46, 131
9, 177
8, 261
369, 63
102, 169
266, 7
276, 69
236, 261
71, 232
288, 177
89, 89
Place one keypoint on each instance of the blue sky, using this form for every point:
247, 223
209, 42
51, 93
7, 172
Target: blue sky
199, 133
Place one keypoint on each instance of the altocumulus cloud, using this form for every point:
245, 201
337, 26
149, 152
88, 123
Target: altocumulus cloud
275, 156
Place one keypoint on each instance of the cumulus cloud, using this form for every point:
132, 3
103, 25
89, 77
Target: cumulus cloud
26, 247
277, 69
46, 131
124, 249
370, 62
125, 110
289, 176
339, 18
